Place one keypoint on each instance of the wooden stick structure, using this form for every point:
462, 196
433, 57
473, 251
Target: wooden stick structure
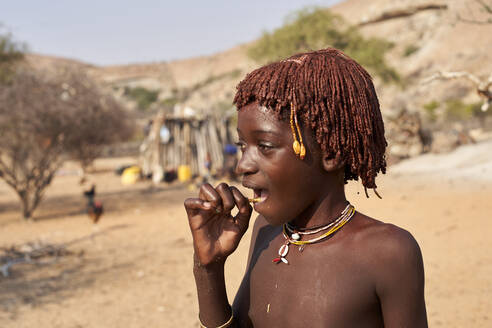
194, 141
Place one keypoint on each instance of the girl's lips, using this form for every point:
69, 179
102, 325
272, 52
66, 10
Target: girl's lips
261, 194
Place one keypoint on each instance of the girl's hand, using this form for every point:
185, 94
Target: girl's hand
216, 233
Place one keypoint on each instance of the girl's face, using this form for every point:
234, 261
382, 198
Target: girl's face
288, 186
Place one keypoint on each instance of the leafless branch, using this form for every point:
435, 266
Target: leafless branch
452, 75
403, 12
482, 86
34, 251
485, 8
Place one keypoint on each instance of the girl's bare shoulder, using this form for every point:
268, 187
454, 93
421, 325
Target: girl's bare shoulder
385, 245
380, 235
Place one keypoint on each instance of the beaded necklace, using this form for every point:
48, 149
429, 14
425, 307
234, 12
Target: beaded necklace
295, 237
311, 231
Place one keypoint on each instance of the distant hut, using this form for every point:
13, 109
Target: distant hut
177, 139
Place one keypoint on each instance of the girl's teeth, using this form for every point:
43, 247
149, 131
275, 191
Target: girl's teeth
259, 196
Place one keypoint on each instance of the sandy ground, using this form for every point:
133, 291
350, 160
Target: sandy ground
136, 270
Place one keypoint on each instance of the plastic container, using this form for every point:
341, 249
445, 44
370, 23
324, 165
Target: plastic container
130, 175
184, 173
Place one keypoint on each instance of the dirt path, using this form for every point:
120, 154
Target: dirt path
136, 271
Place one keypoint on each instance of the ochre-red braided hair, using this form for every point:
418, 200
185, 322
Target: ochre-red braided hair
334, 97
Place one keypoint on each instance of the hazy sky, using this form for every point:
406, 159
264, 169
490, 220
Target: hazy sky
123, 31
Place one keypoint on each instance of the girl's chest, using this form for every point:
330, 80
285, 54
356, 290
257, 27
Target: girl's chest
321, 285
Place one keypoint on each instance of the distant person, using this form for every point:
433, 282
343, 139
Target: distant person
208, 168
306, 125
230, 162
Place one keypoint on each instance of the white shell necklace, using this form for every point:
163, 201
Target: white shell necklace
295, 237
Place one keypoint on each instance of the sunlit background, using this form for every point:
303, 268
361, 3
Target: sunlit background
113, 112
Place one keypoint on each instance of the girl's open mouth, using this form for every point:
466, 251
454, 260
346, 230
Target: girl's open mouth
260, 195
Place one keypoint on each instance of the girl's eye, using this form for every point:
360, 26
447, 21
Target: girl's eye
265, 146
241, 145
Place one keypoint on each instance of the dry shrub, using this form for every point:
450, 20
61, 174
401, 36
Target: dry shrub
45, 120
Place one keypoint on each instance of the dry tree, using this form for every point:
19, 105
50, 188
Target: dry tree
44, 121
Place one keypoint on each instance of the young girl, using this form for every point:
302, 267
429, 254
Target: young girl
306, 126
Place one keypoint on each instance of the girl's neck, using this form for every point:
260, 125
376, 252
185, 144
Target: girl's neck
322, 212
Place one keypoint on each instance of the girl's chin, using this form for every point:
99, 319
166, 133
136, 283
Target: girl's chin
271, 218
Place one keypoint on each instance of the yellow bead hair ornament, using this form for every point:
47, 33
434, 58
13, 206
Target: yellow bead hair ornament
298, 146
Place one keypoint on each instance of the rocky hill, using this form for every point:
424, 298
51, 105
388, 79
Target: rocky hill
428, 37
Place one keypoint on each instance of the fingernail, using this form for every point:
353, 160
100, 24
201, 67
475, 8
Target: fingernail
207, 204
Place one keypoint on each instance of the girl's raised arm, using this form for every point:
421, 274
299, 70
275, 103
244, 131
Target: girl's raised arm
216, 235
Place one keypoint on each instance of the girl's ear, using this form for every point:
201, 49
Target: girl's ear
331, 164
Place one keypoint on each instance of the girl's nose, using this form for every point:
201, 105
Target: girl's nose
246, 164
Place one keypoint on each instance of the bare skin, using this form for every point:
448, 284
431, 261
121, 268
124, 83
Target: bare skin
369, 274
